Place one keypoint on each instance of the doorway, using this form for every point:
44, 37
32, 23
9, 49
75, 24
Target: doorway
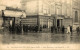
59, 22
12, 22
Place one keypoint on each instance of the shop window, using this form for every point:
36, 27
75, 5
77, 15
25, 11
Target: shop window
45, 11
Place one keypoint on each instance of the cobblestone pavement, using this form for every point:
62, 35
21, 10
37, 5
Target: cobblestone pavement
36, 38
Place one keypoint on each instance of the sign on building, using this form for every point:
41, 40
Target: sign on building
29, 21
10, 13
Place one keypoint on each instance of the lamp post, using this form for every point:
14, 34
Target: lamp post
38, 20
55, 15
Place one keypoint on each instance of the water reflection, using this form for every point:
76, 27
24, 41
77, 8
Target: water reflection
46, 37
59, 38
42, 38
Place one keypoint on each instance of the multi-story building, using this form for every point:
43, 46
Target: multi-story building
47, 13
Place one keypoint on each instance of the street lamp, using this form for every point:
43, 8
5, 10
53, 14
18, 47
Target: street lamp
38, 20
55, 14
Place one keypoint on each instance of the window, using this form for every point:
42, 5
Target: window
45, 11
76, 16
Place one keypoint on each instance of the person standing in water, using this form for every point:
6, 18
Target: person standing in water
68, 29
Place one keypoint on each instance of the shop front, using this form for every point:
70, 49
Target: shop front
12, 19
9, 21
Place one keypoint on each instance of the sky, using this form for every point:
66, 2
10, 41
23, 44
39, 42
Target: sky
11, 3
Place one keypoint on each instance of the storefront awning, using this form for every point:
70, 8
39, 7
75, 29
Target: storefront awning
10, 13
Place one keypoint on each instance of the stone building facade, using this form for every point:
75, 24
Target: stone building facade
76, 12
53, 12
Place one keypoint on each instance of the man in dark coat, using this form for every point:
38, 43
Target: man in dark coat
71, 30
55, 29
77, 29
58, 28
9, 28
63, 29
40, 29
26, 28
51, 29
36, 29
16, 28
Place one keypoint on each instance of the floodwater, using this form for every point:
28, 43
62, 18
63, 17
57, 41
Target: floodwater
39, 38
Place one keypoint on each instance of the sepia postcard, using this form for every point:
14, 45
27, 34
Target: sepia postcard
39, 24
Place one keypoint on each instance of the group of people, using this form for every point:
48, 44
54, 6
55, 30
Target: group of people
57, 29
70, 30
15, 29
63, 30
29, 28
18, 29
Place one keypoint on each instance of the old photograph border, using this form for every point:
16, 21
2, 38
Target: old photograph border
36, 20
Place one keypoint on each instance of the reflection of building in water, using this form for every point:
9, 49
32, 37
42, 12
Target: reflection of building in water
50, 12
46, 37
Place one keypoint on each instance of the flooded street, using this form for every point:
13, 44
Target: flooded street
38, 38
